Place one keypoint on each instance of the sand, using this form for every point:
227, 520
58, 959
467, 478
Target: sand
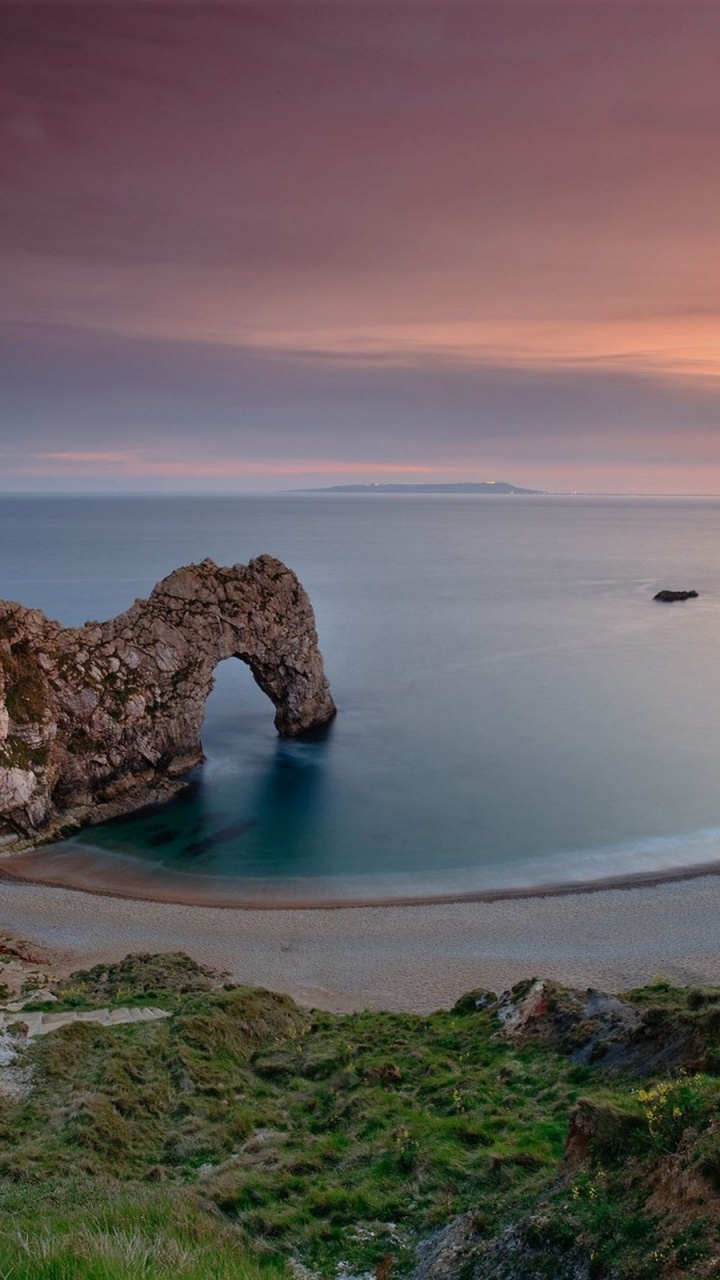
414, 958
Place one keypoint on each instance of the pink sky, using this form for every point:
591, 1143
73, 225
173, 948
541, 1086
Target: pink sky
249, 243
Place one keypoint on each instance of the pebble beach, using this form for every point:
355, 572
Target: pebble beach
397, 957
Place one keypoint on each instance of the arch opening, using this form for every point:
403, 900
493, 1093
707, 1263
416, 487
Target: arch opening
123, 702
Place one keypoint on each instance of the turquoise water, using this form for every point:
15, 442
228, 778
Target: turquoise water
513, 707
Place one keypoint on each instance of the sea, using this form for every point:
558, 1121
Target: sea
514, 708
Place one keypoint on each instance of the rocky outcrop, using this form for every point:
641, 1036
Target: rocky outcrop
463, 1251
658, 1029
98, 720
589, 1026
632, 1161
597, 1029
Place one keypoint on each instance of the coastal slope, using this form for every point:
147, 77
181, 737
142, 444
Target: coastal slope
545, 1133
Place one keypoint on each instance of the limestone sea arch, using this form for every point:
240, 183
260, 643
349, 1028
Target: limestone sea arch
101, 719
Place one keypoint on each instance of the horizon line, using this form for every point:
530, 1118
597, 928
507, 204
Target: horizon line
279, 493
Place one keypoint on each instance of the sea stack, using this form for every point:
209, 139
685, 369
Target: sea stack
96, 721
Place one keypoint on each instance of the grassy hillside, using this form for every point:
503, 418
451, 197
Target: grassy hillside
243, 1132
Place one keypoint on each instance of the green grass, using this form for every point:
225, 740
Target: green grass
320, 1136
247, 1129
16, 754
134, 1232
136, 979
25, 691
644, 1203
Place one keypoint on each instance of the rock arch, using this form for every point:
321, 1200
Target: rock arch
98, 720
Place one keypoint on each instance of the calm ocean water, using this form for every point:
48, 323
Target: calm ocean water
513, 707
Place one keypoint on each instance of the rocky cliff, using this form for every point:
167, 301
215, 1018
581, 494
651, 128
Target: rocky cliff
98, 720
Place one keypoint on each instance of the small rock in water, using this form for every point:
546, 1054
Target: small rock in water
667, 597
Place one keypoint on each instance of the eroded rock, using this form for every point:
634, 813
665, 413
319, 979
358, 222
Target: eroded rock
597, 1029
98, 720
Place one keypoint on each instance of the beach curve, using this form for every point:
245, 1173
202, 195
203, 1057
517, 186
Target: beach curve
399, 957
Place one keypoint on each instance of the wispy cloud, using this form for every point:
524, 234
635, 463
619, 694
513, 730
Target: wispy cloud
122, 456
359, 240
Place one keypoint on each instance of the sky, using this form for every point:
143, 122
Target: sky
257, 246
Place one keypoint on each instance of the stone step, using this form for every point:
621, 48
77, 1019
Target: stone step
40, 1024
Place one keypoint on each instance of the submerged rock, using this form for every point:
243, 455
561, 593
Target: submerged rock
667, 597
99, 720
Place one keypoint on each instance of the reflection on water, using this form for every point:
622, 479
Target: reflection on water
289, 801
225, 827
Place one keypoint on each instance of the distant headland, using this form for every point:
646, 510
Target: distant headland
483, 487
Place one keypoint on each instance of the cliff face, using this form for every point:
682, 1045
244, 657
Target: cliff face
98, 720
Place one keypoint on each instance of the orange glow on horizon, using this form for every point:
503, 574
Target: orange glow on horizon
668, 347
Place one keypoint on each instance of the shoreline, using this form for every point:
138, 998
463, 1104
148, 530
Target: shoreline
127, 891
412, 958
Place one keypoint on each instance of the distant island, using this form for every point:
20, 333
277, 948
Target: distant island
485, 486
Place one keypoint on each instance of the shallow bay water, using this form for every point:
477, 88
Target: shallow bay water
514, 709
